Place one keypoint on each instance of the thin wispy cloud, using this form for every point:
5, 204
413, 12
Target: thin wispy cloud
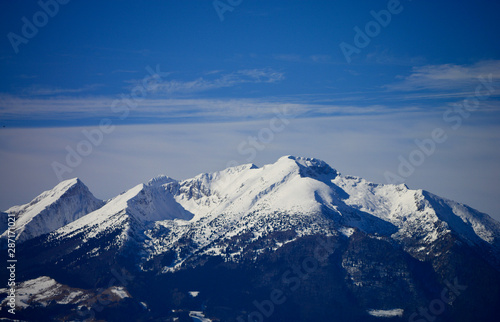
288, 57
386, 57
447, 76
23, 108
161, 104
24, 76
212, 72
124, 71
320, 58
184, 110
207, 83
41, 90
294, 58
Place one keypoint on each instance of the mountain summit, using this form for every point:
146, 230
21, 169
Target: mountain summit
52, 209
235, 236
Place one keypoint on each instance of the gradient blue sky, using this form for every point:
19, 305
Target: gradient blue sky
224, 81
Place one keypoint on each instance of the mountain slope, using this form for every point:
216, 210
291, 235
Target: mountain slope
52, 209
102, 236
142, 204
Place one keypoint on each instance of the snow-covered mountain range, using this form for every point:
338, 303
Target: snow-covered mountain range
245, 216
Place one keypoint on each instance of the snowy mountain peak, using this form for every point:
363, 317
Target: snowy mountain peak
66, 202
231, 170
292, 184
138, 206
160, 180
67, 184
311, 167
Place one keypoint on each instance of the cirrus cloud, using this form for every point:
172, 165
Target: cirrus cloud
447, 76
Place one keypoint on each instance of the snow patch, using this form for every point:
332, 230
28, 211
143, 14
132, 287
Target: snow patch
120, 291
194, 293
347, 231
198, 316
386, 313
42, 291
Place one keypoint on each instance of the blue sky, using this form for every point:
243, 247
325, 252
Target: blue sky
203, 86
